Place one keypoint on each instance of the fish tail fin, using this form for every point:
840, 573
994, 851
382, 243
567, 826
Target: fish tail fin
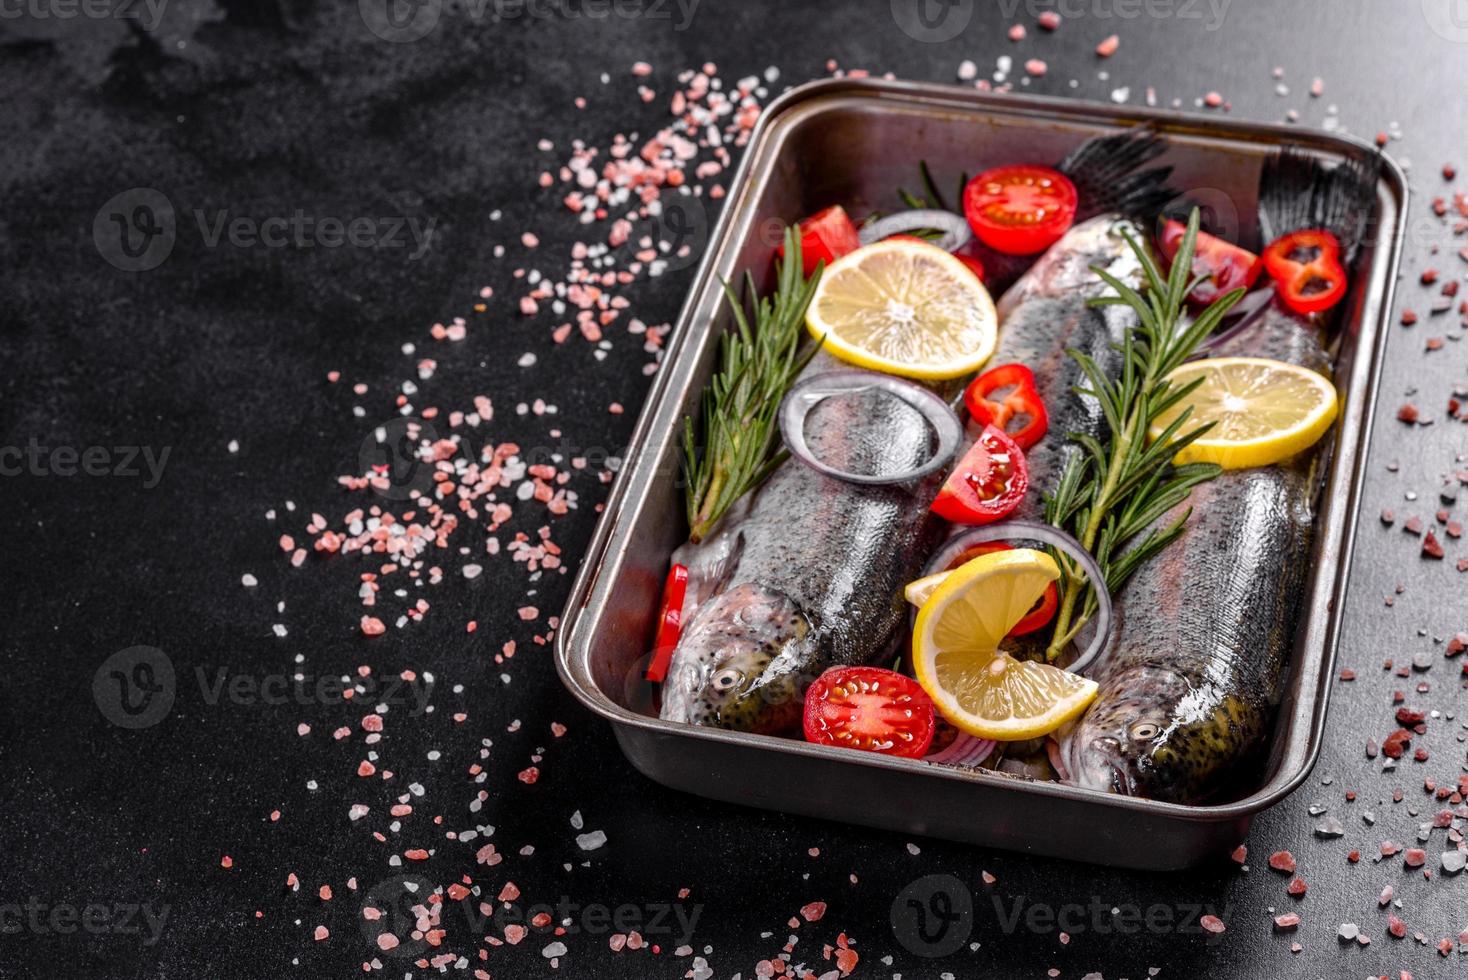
1297, 191
1108, 174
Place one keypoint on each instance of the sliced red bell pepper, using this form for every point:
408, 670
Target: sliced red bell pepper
670, 623
1226, 265
1007, 394
824, 237
1307, 270
988, 484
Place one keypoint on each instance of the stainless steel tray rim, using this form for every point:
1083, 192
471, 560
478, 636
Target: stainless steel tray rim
1353, 440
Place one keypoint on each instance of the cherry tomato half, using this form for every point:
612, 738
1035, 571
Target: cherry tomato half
1007, 394
824, 237
871, 709
1044, 608
1307, 270
1020, 210
1226, 265
988, 484
670, 623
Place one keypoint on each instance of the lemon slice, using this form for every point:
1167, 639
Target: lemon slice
1266, 411
918, 592
906, 308
957, 659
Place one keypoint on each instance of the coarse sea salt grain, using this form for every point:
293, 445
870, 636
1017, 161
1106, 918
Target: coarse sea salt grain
592, 840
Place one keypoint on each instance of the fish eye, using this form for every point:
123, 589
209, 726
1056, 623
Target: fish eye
726, 679
1142, 731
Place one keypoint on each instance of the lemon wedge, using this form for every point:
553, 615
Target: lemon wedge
956, 654
1266, 411
906, 308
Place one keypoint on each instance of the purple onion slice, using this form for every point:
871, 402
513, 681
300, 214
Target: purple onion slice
955, 227
1010, 531
807, 394
965, 751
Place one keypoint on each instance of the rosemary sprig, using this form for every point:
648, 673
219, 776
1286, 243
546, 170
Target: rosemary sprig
1114, 490
734, 445
933, 199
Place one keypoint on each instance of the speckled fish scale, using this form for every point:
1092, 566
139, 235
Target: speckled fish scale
1045, 314
808, 573
1205, 629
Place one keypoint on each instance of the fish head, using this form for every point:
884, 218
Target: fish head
1122, 743
1156, 734
737, 664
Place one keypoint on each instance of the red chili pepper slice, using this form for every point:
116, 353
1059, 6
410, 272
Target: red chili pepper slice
988, 484
1005, 394
1225, 264
1020, 210
871, 709
824, 237
670, 623
1307, 270
1044, 609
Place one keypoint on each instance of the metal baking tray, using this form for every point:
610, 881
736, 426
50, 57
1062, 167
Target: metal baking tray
854, 142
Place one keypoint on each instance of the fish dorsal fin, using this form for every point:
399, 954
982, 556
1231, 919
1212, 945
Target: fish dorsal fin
1108, 174
1297, 191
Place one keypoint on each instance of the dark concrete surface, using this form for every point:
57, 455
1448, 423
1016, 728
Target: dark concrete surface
265, 108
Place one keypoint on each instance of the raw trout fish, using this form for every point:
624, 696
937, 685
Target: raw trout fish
1042, 316
807, 572
1204, 630
1045, 314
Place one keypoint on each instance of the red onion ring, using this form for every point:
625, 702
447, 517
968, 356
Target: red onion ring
965, 751
1057, 758
1010, 531
807, 394
955, 227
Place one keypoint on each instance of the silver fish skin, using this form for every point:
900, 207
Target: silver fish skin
1205, 629
1045, 314
807, 572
